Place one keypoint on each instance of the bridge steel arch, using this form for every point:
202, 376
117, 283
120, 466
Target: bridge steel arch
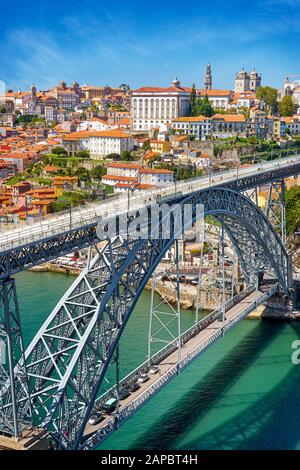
67, 360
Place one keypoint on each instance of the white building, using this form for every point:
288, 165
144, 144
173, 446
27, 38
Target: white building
94, 124
219, 99
199, 126
153, 106
131, 176
292, 124
98, 143
228, 125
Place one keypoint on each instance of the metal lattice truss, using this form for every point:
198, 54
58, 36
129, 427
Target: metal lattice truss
25, 256
67, 360
15, 413
275, 208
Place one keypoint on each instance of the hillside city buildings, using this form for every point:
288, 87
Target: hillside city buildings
137, 137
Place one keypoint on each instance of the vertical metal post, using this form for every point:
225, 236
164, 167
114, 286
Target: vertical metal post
223, 270
198, 294
283, 215
151, 318
275, 208
117, 383
13, 378
10, 357
178, 301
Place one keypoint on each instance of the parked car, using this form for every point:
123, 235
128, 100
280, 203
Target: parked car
134, 387
154, 370
123, 394
96, 418
143, 378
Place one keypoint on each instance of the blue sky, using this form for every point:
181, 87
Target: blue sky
147, 42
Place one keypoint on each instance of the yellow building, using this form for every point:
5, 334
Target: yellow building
64, 183
160, 146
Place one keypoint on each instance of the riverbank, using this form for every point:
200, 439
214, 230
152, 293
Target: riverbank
277, 314
188, 295
55, 268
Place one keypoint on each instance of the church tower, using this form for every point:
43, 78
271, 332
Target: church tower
33, 92
208, 78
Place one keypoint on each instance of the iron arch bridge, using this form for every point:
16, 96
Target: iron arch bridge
67, 360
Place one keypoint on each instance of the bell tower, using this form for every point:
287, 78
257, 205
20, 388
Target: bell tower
208, 78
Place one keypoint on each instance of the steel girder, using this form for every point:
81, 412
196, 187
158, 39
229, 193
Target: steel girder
40, 251
15, 413
67, 360
26, 256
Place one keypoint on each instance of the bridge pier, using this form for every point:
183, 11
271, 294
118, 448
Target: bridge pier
13, 415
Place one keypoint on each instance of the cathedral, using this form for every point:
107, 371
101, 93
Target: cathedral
246, 82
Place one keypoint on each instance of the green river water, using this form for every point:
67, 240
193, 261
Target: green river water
242, 393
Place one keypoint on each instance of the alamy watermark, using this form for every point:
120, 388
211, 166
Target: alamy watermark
2, 352
158, 221
296, 353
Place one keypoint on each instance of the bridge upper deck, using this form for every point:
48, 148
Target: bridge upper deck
58, 224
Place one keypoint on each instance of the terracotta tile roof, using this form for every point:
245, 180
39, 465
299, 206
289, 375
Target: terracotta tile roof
229, 117
225, 93
124, 165
156, 171
119, 178
162, 90
117, 134
190, 119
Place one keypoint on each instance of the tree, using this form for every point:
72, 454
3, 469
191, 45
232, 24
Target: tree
98, 172
59, 151
193, 100
113, 156
82, 173
83, 154
2, 110
204, 107
287, 107
126, 156
269, 95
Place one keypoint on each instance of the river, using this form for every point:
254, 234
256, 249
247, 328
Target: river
242, 393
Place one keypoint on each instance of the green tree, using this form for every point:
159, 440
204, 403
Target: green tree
287, 107
126, 156
2, 110
59, 151
269, 95
193, 100
113, 156
98, 172
83, 154
204, 107
82, 173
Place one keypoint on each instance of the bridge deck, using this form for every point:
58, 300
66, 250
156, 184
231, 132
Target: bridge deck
169, 367
57, 224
